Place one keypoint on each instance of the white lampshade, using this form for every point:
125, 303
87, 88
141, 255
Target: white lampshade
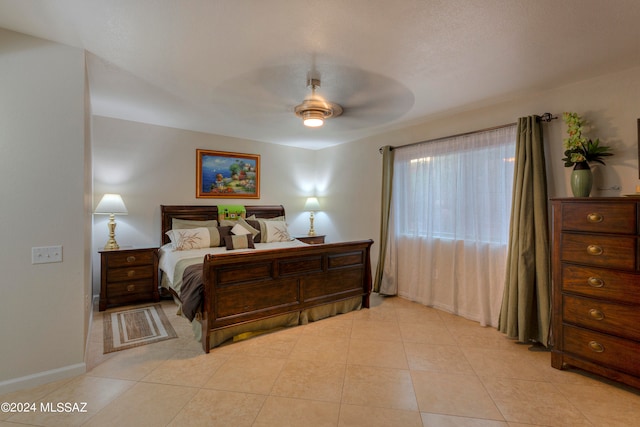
312, 204
111, 204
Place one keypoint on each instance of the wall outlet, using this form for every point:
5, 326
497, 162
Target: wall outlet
46, 254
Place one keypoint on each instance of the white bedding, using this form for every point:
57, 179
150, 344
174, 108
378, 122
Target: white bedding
169, 257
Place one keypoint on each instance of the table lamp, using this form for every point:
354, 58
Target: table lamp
311, 205
112, 205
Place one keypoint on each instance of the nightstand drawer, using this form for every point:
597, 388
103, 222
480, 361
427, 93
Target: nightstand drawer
135, 287
129, 258
133, 273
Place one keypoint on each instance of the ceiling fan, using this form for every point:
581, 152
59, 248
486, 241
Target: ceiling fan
314, 110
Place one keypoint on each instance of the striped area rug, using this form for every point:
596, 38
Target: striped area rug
134, 327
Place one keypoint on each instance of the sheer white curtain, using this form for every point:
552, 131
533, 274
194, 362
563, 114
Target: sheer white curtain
450, 223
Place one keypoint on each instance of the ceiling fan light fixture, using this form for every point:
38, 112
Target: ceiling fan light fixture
312, 119
314, 110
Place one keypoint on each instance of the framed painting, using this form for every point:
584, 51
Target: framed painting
227, 175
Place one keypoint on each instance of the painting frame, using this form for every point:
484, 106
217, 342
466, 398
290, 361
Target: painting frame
227, 175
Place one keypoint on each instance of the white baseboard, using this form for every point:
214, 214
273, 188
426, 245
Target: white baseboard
40, 378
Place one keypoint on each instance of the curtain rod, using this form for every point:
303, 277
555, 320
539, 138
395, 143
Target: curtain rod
546, 117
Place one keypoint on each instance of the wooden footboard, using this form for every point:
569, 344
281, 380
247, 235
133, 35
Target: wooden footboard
245, 287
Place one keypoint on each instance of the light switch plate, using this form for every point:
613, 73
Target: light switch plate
46, 254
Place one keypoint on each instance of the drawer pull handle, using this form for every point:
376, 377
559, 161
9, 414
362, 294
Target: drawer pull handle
594, 250
595, 217
131, 258
596, 347
596, 314
595, 282
131, 288
131, 273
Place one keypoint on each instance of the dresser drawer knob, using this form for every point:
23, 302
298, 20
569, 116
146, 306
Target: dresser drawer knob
596, 314
595, 282
131, 273
131, 288
594, 250
131, 258
595, 217
596, 346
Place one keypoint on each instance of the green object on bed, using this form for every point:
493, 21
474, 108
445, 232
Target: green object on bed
231, 211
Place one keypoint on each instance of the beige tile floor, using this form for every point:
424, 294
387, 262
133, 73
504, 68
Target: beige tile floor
396, 364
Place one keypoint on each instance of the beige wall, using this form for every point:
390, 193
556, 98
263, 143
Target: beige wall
42, 188
610, 103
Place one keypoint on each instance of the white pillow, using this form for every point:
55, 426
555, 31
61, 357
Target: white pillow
193, 238
277, 231
239, 230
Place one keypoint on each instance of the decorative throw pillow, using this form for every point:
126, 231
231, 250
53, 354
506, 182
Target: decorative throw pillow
277, 231
192, 238
251, 225
217, 235
244, 241
239, 230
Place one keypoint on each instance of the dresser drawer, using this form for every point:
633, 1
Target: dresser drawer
600, 217
133, 273
129, 258
604, 251
601, 283
603, 349
621, 320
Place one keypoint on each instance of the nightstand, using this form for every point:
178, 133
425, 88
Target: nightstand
128, 276
312, 240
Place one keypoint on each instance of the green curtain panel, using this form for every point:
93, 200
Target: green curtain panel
526, 303
387, 181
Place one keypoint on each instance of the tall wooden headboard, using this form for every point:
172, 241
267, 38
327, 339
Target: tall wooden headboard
203, 213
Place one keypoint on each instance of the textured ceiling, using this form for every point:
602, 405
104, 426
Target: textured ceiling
238, 68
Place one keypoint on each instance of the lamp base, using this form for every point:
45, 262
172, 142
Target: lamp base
312, 232
111, 243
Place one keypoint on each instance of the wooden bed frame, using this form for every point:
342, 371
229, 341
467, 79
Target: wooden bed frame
240, 288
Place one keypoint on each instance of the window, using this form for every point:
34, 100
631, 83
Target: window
457, 188
449, 226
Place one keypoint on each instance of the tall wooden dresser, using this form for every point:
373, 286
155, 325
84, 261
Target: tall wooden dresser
596, 286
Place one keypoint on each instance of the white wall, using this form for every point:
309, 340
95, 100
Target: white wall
153, 165
610, 103
42, 179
